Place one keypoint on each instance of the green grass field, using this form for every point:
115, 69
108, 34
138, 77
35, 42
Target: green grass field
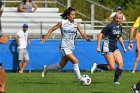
65, 82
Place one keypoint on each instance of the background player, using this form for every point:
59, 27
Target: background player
135, 88
110, 51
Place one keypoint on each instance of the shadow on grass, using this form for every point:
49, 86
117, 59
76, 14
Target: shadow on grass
49, 83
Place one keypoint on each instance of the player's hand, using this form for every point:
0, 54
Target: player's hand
130, 46
98, 49
42, 41
4, 38
125, 51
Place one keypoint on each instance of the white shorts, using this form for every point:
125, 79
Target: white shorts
23, 54
65, 51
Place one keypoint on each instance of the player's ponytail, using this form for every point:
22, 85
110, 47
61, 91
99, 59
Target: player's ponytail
1, 4
67, 13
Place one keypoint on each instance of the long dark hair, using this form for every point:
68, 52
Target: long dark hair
67, 13
24, 1
1, 4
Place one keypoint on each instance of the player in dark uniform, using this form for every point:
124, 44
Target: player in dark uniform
112, 33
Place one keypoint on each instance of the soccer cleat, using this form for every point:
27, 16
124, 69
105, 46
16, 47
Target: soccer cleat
93, 68
20, 72
44, 71
133, 71
117, 83
133, 88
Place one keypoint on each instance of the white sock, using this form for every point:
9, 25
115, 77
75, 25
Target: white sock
77, 71
54, 67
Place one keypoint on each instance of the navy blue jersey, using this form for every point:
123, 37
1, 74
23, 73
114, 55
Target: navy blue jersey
112, 33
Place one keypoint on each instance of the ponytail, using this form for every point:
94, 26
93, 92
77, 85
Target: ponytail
67, 13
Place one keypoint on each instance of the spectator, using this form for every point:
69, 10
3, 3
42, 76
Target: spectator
118, 10
22, 40
27, 6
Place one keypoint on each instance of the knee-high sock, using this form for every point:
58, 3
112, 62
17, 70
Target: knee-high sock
138, 86
118, 73
53, 67
102, 66
77, 71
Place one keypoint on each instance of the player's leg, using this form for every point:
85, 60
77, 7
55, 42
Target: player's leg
136, 61
111, 62
61, 65
74, 60
119, 61
2, 80
110, 66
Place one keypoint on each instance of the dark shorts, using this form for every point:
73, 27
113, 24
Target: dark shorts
109, 49
1, 66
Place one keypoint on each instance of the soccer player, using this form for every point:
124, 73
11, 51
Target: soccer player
3, 39
22, 41
135, 88
68, 33
112, 33
137, 52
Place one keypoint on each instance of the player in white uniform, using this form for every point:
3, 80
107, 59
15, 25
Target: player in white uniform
68, 33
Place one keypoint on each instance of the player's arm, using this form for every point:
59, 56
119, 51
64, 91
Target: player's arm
82, 33
130, 45
50, 31
17, 39
122, 44
99, 38
137, 43
3, 39
131, 33
133, 28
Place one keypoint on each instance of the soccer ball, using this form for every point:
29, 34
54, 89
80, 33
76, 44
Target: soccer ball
85, 80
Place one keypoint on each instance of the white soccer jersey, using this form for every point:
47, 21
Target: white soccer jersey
68, 33
23, 36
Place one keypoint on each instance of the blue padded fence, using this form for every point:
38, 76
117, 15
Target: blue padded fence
48, 53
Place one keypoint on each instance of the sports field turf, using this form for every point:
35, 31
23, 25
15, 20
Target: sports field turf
65, 82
